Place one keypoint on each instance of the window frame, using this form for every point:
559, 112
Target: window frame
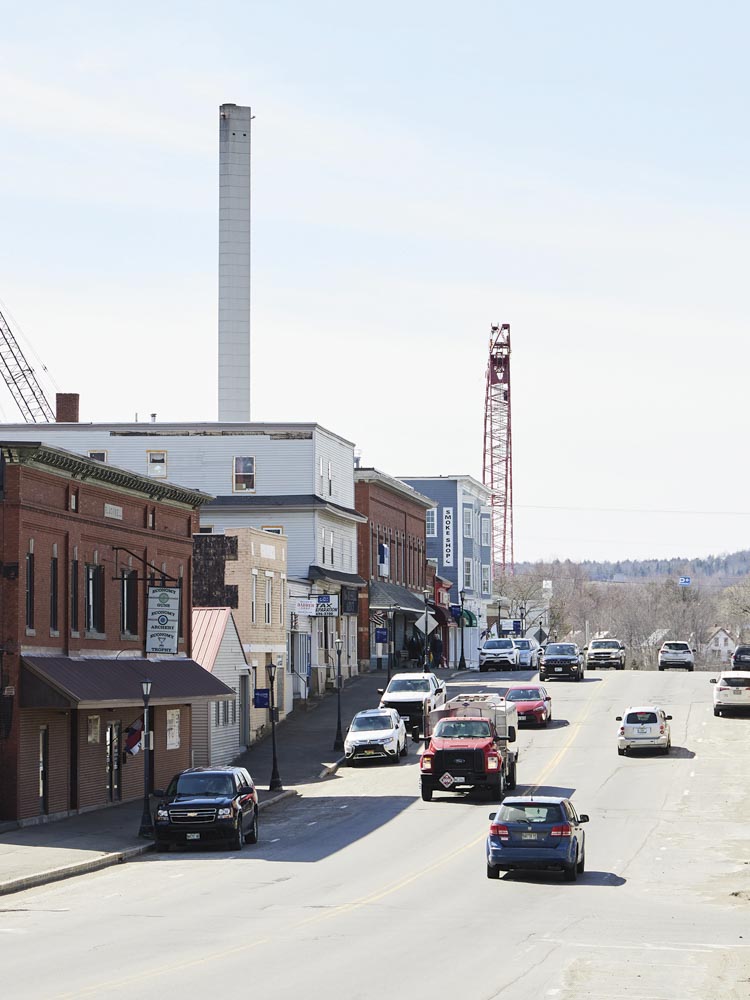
468, 581
468, 521
235, 474
430, 511
150, 452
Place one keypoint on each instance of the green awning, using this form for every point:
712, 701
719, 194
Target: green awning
469, 617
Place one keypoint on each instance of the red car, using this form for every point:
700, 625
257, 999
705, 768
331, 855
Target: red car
533, 703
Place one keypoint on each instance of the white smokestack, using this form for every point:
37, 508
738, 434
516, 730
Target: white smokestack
234, 262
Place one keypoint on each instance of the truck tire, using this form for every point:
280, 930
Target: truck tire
426, 794
496, 790
510, 778
493, 871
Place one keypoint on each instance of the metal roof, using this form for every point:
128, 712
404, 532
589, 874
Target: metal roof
209, 627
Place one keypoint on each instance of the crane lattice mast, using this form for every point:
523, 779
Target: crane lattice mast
498, 450
20, 379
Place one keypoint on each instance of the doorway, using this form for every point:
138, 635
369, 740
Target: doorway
43, 770
113, 761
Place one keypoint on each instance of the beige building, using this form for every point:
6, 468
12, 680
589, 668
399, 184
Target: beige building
246, 569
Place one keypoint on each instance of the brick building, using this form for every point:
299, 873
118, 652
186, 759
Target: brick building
80, 544
391, 557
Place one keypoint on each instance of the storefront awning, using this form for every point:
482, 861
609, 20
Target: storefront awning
392, 596
442, 615
318, 573
82, 682
470, 619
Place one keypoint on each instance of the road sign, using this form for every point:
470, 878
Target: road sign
431, 623
262, 698
381, 635
685, 581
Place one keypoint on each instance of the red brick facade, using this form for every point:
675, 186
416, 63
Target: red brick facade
60, 513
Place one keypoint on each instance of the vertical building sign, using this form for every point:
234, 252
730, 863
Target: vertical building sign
163, 619
447, 536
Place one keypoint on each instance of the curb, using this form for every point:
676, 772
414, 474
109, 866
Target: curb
104, 860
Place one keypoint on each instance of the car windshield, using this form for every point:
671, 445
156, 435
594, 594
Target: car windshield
561, 649
676, 646
640, 718
523, 694
529, 812
203, 784
735, 680
498, 644
408, 684
467, 729
742, 651
522, 644
361, 723
605, 644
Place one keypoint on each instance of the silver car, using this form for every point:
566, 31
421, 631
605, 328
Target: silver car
528, 652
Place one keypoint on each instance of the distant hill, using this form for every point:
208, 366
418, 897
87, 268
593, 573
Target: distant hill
725, 569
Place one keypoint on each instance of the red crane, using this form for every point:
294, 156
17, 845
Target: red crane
498, 450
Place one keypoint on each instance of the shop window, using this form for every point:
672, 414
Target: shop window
173, 729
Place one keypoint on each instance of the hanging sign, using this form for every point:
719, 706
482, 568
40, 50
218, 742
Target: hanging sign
447, 536
163, 619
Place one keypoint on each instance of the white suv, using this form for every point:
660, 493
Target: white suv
498, 654
732, 691
644, 726
676, 654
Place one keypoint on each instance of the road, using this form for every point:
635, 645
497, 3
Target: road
360, 890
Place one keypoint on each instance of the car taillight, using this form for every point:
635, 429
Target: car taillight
563, 830
622, 731
425, 762
661, 729
722, 687
499, 830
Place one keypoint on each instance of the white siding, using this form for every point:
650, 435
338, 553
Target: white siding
230, 663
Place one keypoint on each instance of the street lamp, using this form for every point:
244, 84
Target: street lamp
274, 784
426, 651
462, 659
147, 823
338, 743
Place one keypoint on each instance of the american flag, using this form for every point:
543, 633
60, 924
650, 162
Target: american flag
377, 618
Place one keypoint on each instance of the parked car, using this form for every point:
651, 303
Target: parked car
741, 658
536, 832
413, 696
528, 652
498, 654
376, 734
533, 703
676, 654
644, 727
732, 691
206, 805
561, 659
605, 653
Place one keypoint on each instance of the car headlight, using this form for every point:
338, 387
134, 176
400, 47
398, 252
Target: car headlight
426, 763
162, 814
493, 763
226, 812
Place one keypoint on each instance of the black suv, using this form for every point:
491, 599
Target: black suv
741, 658
561, 659
206, 805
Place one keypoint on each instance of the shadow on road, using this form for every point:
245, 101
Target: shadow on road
607, 880
557, 791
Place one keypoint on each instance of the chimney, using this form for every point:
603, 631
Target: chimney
66, 407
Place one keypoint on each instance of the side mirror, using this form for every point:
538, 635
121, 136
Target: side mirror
618, 718
159, 793
585, 648
511, 734
695, 650
583, 818
439, 690
381, 690
713, 680
492, 815
669, 718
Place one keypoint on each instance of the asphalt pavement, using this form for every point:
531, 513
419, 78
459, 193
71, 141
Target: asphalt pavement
49, 852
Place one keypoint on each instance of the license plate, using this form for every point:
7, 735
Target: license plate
736, 691
368, 753
558, 670
642, 732
192, 836
528, 836
522, 718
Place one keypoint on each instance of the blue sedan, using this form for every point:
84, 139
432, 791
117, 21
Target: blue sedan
536, 832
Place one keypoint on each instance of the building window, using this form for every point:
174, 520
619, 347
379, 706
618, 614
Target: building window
330, 545
281, 602
30, 590
468, 522
218, 713
485, 579
431, 522
273, 529
330, 479
173, 729
468, 574
269, 595
94, 598
485, 531
73, 500
320, 473
225, 713
157, 464
94, 728
74, 596
254, 599
54, 592
323, 545
349, 552
129, 602
98, 456
244, 475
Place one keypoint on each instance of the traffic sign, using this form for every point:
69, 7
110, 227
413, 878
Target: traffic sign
684, 581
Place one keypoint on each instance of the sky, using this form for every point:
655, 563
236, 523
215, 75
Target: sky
421, 170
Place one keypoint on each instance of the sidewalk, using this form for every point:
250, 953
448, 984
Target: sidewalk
35, 855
